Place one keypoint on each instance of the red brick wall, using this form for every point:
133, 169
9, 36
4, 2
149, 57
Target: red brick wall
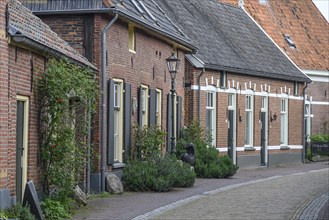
294, 115
22, 83
3, 96
319, 91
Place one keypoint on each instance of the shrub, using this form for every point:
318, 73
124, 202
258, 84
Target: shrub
57, 208
19, 212
158, 174
208, 163
320, 138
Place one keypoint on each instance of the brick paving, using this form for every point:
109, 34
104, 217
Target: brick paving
264, 193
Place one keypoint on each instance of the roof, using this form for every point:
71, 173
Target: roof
228, 39
144, 12
302, 21
26, 28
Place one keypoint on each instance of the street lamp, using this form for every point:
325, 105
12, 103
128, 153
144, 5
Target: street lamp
173, 65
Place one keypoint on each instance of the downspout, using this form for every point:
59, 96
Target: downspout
303, 131
199, 93
103, 112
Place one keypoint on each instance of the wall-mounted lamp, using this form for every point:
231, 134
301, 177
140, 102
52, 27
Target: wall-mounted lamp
274, 117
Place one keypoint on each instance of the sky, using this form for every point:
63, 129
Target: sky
323, 6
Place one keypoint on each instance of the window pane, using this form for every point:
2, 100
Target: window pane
248, 128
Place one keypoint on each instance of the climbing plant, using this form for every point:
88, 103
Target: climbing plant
67, 95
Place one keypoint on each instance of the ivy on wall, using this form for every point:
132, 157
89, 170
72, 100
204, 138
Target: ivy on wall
67, 95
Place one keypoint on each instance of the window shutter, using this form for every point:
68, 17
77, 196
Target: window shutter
110, 124
140, 106
179, 116
169, 124
152, 107
127, 120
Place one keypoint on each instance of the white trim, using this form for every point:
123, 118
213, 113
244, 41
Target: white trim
319, 103
318, 75
260, 27
244, 92
240, 149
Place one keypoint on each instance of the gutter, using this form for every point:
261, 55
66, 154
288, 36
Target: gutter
103, 112
20, 39
304, 125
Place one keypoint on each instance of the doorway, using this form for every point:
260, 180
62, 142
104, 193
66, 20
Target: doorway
22, 111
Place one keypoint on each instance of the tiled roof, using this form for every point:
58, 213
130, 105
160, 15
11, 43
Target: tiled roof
302, 21
228, 39
22, 23
144, 12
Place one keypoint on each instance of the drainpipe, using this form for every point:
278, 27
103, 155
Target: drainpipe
199, 93
303, 131
103, 112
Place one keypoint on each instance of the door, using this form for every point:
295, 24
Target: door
263, 132
230, 141
21, 146
263, 139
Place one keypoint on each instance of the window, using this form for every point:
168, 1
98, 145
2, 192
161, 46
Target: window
132, 40
249, 121
158, 107
307, 121
222, 79
264, 104
211, 117
289, 41
144, 106
284, 122
118, 120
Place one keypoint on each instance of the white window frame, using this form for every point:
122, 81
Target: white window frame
249, 110
145, 99
284, 129
158, 109
118, 120
211, 107
308, 116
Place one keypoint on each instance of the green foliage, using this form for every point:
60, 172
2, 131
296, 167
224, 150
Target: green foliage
66, 94
309, 154
158, 174
18, 211
148, 141
208, 163
56, 208
320, 138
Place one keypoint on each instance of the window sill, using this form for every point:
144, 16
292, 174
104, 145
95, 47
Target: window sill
249, 149
118, 165
284, 147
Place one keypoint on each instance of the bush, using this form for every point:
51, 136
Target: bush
208, 163
158, 174
19, 212
320, 138
57, 208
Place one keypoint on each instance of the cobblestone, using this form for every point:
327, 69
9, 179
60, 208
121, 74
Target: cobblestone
258, 181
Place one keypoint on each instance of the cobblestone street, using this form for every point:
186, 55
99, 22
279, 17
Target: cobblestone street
274, 198
265, 193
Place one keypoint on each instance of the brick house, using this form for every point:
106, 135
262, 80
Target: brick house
245, 92
26, 43
139, 39
301, 31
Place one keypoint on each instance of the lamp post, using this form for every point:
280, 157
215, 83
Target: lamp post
173, 65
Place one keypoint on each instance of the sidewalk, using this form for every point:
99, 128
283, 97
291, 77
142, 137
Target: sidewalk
131, 205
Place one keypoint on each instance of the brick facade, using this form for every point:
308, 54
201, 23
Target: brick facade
295, 110
145, 67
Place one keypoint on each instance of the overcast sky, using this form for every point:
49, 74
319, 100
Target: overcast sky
323, 6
